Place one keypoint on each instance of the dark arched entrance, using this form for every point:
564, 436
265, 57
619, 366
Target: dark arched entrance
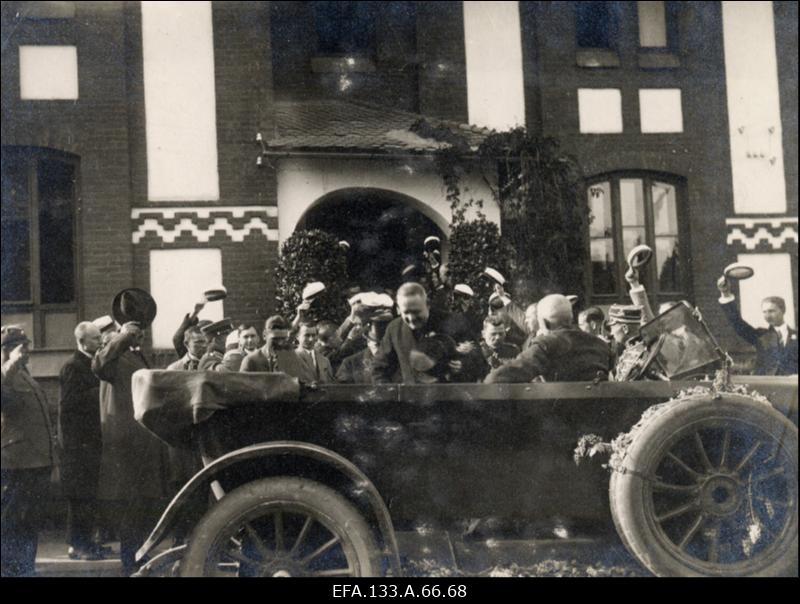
385, 232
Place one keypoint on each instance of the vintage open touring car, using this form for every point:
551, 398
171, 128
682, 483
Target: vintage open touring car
307, 481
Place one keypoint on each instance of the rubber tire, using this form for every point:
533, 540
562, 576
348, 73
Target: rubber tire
318, 498
627, 492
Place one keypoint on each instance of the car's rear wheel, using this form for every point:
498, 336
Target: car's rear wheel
282, 527
709, 487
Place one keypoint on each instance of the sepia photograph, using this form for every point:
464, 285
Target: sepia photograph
411, 297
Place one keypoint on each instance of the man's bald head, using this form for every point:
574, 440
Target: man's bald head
554, 311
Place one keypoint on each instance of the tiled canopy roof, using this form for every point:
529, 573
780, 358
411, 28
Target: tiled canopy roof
349, 126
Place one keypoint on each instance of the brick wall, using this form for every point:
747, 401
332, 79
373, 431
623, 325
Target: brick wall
700, 154
95, 128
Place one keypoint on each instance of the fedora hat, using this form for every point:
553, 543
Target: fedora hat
134, 304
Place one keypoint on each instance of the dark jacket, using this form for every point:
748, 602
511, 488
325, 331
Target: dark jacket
79, 427
356, 369
497, 356
134, 461
26, 432
392, 363
562, 355
772, 356
177, 339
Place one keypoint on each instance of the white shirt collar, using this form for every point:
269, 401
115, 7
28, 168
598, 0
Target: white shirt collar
784, 331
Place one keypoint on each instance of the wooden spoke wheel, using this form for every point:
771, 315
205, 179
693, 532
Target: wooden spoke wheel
710, 488
282, 527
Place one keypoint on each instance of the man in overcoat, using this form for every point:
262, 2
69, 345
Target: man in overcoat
27, 454
81, 442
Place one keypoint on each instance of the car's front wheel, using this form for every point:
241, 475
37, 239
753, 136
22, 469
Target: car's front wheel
282, 527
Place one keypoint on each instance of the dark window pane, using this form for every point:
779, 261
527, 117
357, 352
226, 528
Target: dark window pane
345, 27
16, 258
594, 24
56, 207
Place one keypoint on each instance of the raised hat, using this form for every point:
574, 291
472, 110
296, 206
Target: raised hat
344, 245
218, 328
134, 304
408, 270
202, 323
313, 289
103, 323
624, 313
431, 242
212, 295
639, 256
494, 275
463, 288
13, 335
738, 271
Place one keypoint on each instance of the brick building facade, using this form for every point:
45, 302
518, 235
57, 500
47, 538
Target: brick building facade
332, 89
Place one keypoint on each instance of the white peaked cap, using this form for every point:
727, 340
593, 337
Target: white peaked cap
312, 289
463, 288
494, 274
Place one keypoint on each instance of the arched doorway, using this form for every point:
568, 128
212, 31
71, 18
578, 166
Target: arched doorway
386, 231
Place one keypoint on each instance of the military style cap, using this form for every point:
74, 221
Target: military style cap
104, 323
624, 313
218, 328
464, 289
494, 275
13, 335
311, 290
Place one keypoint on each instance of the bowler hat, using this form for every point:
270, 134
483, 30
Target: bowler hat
134, 304
13, 335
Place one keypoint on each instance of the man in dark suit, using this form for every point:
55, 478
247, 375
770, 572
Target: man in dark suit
776, 345
561, 353
392, 362
27, 456
81, 442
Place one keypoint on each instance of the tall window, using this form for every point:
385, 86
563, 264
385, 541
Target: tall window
658, 24
629, 209
345, 28
38, 242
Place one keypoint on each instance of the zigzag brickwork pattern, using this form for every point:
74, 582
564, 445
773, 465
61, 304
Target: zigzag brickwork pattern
763, 233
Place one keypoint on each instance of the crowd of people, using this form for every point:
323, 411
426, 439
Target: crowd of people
429, 331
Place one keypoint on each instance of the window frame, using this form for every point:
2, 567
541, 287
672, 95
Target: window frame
649, 278
34, 156
671, 25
